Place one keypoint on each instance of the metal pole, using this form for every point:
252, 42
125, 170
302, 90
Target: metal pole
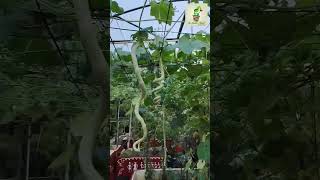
118, 122
67, 170
28, 152
129, 138
164, 140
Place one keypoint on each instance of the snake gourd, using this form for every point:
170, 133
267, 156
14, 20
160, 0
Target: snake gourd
157, 101
141, 97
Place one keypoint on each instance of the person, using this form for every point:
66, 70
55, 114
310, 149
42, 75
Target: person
114, 157
191, 143
195, 142
177, 156
124, 137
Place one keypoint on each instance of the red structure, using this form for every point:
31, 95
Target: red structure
125, 167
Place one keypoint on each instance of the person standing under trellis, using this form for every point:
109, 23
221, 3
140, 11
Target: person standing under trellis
191, 143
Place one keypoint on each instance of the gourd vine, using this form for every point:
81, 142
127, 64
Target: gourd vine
157, 101
140, 99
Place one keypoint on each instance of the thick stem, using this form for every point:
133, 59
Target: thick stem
143, 89
88, 37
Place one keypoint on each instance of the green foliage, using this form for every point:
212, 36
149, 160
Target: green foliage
142, 35
263, 104
162, 11
187, 44
115, 7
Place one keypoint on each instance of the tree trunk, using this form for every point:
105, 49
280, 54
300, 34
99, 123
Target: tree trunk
88, 37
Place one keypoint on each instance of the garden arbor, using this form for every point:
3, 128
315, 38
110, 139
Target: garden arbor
156, 63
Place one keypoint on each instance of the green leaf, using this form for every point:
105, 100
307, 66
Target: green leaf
142, 35
116, 8
203, 36
201, 164
188, 165
148, 101
162, 11
188, 45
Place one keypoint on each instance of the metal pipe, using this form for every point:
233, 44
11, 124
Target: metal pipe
118, 122
130, 121
28, 152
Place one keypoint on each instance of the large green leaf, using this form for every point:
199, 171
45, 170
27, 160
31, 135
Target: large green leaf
188, 45
162, 11
115, 7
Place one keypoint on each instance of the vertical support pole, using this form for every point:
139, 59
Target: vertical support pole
118, 122
28, 151
164, 140
67, 170
130, 126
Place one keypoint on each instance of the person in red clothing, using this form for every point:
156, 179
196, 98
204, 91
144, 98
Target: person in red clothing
176, 155
114, 157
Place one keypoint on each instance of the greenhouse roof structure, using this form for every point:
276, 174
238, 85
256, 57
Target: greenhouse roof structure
124, 25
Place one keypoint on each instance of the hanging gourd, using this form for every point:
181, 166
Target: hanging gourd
140, 99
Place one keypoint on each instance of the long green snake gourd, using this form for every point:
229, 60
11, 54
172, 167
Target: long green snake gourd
141, 97
143, 94
157, 102
159, 80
